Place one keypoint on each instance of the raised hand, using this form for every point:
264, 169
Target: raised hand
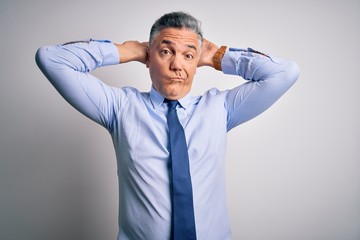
133, 51
208, 51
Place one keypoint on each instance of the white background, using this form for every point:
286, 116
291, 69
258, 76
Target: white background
293, 173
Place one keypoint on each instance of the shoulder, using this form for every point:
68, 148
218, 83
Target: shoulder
212, 96
130, 91
126, 95
215, 93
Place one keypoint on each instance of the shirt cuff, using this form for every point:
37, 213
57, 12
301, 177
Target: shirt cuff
229, 62
109, 52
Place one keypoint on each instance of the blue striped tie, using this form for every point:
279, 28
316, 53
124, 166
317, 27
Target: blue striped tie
183, 222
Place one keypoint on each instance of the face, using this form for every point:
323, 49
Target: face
172, 62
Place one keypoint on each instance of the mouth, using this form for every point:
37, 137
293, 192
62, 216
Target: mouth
176, 78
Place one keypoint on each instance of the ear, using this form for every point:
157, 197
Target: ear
147, 58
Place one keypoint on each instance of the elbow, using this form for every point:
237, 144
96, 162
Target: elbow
46, 60
41, 57
292, 72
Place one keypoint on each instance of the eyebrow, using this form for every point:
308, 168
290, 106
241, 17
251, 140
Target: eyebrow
165, 41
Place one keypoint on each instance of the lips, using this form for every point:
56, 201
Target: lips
176, 78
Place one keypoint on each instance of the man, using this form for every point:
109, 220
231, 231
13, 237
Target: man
139, 124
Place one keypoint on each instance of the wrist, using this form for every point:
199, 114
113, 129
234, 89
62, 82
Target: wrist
218, 57
123, 53
132, 51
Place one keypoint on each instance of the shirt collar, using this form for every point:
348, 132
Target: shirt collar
157, 99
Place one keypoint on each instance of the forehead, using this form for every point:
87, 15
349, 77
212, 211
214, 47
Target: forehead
176, 36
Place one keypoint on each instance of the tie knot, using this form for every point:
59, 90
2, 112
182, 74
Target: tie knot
172, 103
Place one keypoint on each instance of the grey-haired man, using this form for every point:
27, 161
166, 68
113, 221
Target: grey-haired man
137, 121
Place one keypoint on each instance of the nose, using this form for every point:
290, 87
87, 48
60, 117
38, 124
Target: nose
176, 63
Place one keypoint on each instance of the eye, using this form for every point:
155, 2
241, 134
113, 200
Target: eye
165, 52
189, 56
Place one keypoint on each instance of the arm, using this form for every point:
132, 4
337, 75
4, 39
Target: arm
268, 79
67, 67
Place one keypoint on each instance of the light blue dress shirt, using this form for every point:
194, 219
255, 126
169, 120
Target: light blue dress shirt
137, 124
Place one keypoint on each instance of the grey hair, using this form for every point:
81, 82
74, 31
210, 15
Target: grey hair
176, 20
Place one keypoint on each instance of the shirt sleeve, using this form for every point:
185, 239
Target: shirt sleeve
67, 67
268, 78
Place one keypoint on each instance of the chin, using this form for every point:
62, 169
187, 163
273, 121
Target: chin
171, 96
174, 92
